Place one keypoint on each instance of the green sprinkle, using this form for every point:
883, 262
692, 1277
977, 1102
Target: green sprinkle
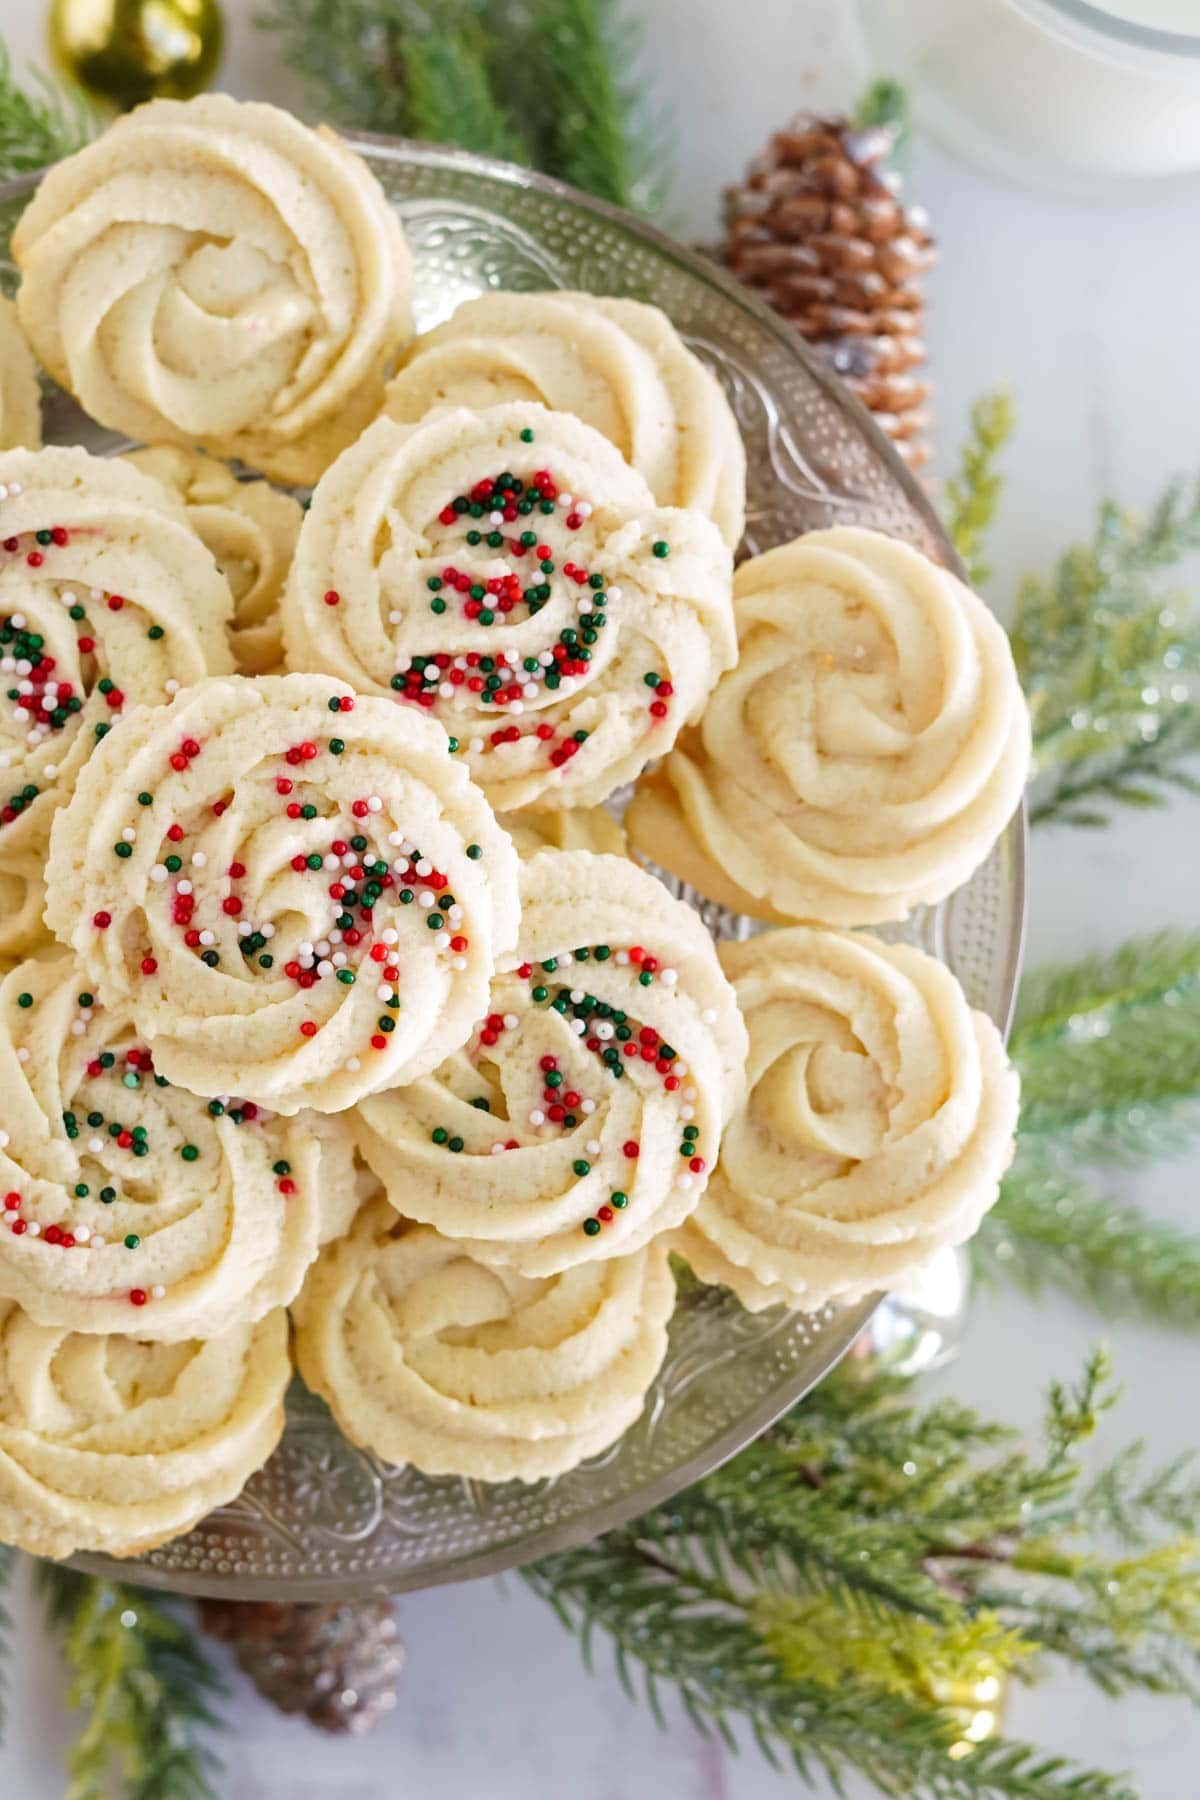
130, 1080
455, 1144
82, 1190
661, 548
155, 632
618, 1199
132, 1241
24, 999
474, 851
173, 863
437, 606
266, 962
346, 977
481, 1103
336, 746
591, 1227
216, 1108
439, 1134
122, 849
527, 436
189, 1153
281, 1168
540, 993
145, 799
582, 1168
108, 1195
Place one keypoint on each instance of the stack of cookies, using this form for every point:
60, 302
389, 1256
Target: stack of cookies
332, 983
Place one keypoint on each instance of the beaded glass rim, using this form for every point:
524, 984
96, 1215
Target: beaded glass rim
323, 1518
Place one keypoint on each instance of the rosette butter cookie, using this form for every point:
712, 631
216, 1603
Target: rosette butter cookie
585, 1112
20, 401
878, 1122
616, 364
107, 597
213, 272
865, 754
429, 1357
299, 894
251, 529
507, 571
114, 1445
128, 1204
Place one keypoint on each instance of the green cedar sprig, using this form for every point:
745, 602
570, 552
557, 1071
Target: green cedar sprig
841, 1581
972, 495
38, 127
144, 1685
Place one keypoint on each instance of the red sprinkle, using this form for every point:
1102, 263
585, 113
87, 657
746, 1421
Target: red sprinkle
102, 920
332, 597
149, 965
137, 1296
308, 1028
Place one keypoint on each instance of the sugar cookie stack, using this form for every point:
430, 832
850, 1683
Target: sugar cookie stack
329, 983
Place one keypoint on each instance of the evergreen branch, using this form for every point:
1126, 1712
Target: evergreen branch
1051, 1227
1108, 662
38, 128
973, 494
835, 1585
145, 1687
541, 82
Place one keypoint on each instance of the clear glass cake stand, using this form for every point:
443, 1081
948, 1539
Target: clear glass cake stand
325, 1519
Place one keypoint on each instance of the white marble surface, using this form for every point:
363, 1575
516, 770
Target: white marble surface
1091, 316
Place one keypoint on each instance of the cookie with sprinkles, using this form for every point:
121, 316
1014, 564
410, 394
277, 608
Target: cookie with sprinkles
878, 1122
20, 397
213, 272
107, 598
251, 529
114, 1445
299, 894
429, 1356
618, 365
509, 573
585, 1112
129, 1204
864, 755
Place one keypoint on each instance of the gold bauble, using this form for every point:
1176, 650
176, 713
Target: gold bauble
127, 51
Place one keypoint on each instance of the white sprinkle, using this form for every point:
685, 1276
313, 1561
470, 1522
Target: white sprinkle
305, 949
588, 1107
709, 1015
322, 947
199, 859
35, 1229
244, 928
97, 1241
82, 1233
458, 962
441, 940
207, 938
564, 960
158, 872
497, 1149
22, 1054
4, 1140
622, 957
668, 977
394, 618
425, 898
339, 959
686, 1182
687, 1114
537, 1116
331, 861
592, 1146
495, 518
390, 936
475, 746
614, 593
511, 1021
454, 913
129, 834
353, 1064
156, 1293
349, 858
424, 867
325, 967
171, 687
689, 1093
383, 992
374, 803
268, 931
604, 1030
95, 1145
77, 1028
576, 996
584, 509
445, 690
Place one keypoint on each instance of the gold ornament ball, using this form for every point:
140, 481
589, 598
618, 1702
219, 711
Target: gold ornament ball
127, 51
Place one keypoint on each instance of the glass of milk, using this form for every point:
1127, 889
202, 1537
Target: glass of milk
1087, 96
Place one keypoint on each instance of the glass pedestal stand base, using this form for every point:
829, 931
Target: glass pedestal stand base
920, 1326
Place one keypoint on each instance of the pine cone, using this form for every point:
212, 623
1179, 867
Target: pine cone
339, 1665
818, 228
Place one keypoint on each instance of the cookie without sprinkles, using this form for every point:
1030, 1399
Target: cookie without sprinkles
294, 915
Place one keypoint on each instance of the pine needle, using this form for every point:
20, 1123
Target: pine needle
753, 1592
39, 127
1053, 1228
972, 496
144, 1685
1108, 661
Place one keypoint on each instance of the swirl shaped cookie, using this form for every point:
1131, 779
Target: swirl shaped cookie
618, 365
428, 1356
583, 1116
507, 571
251, 529
20, 398
212, 272
579, 828
299, 894
879, 1120
107, 598
864, 755
127, 1204
113, 1445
